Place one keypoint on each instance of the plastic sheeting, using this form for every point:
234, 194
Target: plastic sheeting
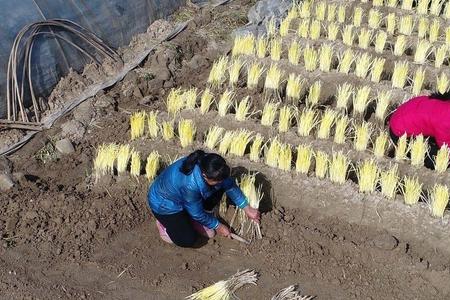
114, 21
261, 13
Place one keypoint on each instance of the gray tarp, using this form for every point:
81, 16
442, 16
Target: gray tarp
114, 21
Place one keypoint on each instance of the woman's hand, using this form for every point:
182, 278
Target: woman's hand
252, 213
223, 230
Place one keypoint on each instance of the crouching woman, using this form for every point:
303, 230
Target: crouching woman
424, 115
183, 196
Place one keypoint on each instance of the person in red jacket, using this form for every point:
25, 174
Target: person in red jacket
426, 115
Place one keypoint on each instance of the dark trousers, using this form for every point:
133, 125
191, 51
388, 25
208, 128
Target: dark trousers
433, 149
179, 225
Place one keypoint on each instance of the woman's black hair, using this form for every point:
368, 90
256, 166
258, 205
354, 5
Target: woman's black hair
212, 165
440, 96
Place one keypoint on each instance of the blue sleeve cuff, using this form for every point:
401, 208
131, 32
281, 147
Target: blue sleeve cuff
242, 203
215, 224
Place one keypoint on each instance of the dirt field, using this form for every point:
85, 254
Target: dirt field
64, 237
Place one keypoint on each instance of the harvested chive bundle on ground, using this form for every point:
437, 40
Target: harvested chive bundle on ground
225, 289
152, 165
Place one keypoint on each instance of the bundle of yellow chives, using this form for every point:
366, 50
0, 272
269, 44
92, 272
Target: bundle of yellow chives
401, 148
439, 200
380, 41
255, 148
167, 130
377, 69
374, 18
422, 51
417, 84
400, 45
367, 174
418, 150
273, 153
152, 166
411, 190
303, 28
332, 31
406, 4
137, 124
213, 136
285, 157
218, 71
422, 28
244, 44
361, 100
383, 102
304, 9
261, 47
304, 156
320, 10
357, 16
400, 74
362, 136
275, 49
331, 12
269, 113
315, 29
434, 31
380, 145
135, 169
253, 74
344, 91
314, 94
225, 102
294, 53
363, 63
307, 121
286, 115
338, 167
226, 141
242, 109
104, 160
327, 121
389, 182
442, 83
235, 71
321, 159
406, 25
206, 101
239, 142
273, 78
271, 27
341, 129
440, 54
123, 156
186, 132
348, 35
391, 19
436, 7
326, 57
190, 98
294, 88
310, 58
364, 38
284, 27
442, 159
341, 14
225, 289
345, 61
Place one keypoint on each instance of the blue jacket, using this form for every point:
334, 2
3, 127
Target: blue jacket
172, 191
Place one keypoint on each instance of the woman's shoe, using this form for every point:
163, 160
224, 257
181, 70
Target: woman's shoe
163, 233
202, 230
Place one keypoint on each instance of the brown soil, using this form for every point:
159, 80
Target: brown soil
64, 237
